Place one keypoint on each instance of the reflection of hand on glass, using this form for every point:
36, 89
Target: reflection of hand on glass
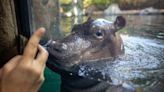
25, 73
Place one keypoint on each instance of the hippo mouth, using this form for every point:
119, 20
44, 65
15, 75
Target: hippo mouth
63, 57
57, 53
60, 56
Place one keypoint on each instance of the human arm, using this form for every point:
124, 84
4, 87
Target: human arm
25, 73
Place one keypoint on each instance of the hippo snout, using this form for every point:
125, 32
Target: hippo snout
57, 46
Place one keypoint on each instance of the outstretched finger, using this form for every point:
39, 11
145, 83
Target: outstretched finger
32, 45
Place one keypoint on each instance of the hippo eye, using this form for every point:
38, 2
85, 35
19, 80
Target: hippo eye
99, 34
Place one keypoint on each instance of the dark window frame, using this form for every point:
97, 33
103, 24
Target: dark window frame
24, 21
23, 17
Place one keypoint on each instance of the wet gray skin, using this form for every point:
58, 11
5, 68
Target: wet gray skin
88, 42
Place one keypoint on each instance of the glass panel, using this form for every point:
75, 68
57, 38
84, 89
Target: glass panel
95, 51
45, 13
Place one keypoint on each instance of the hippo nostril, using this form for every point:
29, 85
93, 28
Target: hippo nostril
56, 49
59, 47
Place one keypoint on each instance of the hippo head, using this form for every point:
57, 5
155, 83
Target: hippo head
90, 41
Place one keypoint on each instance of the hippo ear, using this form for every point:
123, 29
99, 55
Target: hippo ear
119, 23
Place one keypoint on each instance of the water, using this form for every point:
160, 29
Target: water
142, 66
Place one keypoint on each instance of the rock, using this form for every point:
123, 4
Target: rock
149, 10
90, 10
112, 9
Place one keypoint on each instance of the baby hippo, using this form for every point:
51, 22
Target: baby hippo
90, 41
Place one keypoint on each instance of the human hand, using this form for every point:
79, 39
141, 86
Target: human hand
25, 73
